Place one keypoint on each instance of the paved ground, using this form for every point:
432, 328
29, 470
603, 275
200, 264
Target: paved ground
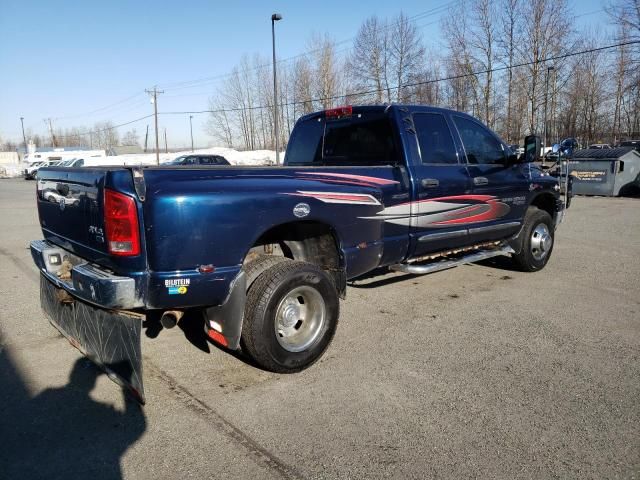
474, 372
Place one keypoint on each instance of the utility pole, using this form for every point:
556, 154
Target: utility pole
166, 150
24, 139
274, 18
53, 137
154, 99
546, 100
146, 139
191, 128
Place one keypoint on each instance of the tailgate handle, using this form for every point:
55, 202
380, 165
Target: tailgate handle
480, 181
430, 182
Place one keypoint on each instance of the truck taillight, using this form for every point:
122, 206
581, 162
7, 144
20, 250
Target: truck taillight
121, 224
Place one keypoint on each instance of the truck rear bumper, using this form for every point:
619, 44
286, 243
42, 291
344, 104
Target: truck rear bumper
87, 282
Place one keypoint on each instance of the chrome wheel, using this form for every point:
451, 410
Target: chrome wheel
300, 317
541, 241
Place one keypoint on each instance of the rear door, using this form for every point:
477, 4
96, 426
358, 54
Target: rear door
500, 189
440, 181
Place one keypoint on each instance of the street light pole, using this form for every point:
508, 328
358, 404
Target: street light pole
24, 139
191, 128
546, 100
274, 18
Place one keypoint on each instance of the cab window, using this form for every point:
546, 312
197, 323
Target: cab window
480, 146
434, 139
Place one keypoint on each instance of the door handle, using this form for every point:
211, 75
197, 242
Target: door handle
480, 181
430, 182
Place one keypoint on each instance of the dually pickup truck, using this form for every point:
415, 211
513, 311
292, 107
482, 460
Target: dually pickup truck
265, 253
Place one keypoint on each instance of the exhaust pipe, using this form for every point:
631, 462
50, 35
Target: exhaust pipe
170, 318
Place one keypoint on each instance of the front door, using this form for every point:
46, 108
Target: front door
503, 188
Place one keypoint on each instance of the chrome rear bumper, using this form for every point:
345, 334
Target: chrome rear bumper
88, 282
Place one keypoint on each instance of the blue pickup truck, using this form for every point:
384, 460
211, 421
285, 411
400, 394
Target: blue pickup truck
265, 253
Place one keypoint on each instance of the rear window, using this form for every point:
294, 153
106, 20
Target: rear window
362, 139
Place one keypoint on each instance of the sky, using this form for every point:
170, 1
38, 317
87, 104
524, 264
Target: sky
83, 62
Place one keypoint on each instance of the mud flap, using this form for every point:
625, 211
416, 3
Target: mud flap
111, 339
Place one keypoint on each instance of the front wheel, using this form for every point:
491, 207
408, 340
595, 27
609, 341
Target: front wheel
291, 316
538, 239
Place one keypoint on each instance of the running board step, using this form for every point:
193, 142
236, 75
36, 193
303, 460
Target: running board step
445, 264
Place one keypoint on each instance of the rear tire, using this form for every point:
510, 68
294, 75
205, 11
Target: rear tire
255, 267
290, 317
538, 241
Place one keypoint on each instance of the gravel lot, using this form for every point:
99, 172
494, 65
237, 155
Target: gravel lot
478, 372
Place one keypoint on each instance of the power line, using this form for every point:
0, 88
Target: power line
106, 129
367, 92
101, 109
201, 81
412, 84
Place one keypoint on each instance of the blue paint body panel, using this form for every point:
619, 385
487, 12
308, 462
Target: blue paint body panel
190, 217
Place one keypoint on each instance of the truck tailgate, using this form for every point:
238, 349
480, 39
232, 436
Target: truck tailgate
71, 207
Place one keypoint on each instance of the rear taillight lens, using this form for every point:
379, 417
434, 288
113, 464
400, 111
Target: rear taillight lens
121, 224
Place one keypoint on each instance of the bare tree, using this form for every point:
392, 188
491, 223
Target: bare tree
131, 137
545, 35
367, 65
303, 86
325, 71
407, 54
511, 26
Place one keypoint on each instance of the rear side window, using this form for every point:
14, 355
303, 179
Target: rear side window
480, 145
359, 140
434, 138
362, 139
305, 145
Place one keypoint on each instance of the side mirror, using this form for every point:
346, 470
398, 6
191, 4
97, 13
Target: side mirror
532, 147
555, 148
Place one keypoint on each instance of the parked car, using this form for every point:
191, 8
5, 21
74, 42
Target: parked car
599, 146
265, 254
30, 171
635, 144
198, 159
72, 162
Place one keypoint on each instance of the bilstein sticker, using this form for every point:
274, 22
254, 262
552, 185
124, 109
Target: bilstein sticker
177, 282
177, 290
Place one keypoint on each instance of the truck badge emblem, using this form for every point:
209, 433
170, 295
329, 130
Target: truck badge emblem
301, 210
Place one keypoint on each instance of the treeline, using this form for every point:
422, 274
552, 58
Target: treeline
102, 136
492, 61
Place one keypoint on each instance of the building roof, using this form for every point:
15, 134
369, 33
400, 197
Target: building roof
601, 154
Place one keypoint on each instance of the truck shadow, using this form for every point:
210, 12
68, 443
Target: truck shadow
193, 327
63, 433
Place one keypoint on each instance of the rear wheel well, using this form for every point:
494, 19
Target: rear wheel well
307, 241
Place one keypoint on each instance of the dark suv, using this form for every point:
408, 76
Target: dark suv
199, 160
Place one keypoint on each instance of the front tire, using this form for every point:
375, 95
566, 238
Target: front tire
538, 240
291, 316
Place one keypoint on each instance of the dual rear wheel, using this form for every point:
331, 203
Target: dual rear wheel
291, 313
